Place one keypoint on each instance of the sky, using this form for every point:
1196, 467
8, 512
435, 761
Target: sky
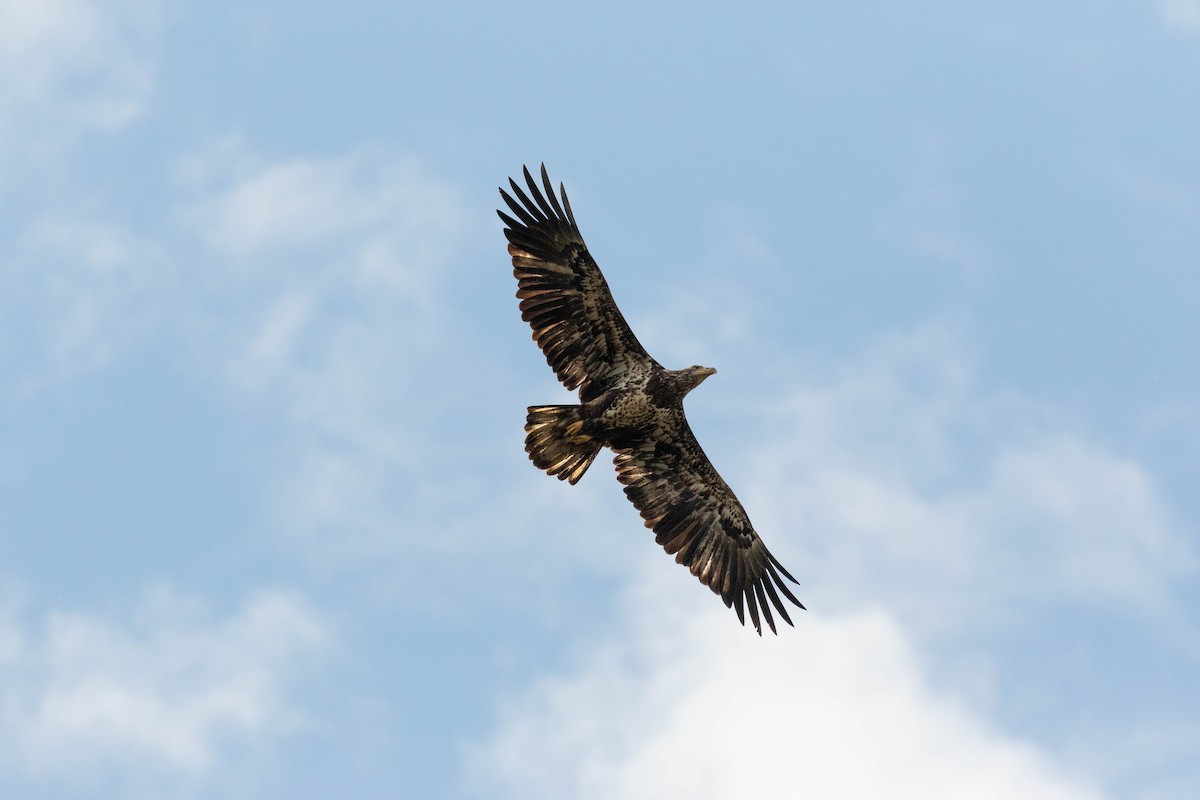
267, 528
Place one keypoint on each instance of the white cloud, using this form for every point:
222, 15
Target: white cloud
680, 704
377, 214
329, 314
82, 696
1163, 198
315, 298
71, 64
326, 271
1182, 14
902, 481
897, 481
77, 290
317, 267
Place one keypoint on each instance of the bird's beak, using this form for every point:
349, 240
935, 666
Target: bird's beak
706, 371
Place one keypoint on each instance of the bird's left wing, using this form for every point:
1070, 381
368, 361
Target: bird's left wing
564, 297
697, 517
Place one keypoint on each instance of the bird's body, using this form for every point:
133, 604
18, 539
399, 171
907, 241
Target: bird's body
642, 401
631, 404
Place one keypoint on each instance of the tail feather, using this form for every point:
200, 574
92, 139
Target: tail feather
556, 441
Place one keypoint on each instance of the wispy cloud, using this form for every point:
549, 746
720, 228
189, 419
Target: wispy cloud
1160, 197
160, 695
313, 292
377, 213
72, 65
1182, 14
902, 461
76, 284
77, 291
330, 314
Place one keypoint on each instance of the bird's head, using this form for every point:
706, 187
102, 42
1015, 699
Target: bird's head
694, 376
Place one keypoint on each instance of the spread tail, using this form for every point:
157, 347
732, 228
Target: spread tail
556, 442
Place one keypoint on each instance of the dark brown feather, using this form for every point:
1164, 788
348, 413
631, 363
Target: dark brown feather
550, 261
704, 525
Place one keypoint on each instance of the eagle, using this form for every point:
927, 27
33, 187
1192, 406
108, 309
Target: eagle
629, 403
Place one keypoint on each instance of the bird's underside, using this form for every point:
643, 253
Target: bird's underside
631, 404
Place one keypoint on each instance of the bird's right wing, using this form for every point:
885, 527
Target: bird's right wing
563, 296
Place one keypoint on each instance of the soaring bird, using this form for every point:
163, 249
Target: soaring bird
631, 404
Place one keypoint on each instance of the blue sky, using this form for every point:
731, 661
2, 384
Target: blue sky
268, 526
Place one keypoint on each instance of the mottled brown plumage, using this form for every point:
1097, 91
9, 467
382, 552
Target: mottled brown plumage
631, 404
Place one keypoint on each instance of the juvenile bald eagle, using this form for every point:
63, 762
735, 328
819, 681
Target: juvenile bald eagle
629, 403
